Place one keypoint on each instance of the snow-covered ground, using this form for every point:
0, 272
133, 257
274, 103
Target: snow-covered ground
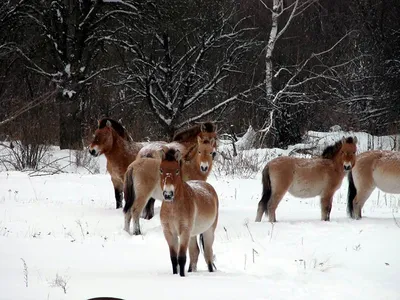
63, 231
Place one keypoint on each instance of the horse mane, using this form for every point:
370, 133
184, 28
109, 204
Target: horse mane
170, 154
330, 151
191, 152
189, 134
117, 126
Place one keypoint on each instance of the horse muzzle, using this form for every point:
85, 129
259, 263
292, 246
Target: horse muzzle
347, 167
168, 196
93, 152
203, 167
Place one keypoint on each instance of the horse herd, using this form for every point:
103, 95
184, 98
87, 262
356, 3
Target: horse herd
176, 172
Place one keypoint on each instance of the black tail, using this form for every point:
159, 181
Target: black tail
201, 238
129, 190
266, 193
351, 194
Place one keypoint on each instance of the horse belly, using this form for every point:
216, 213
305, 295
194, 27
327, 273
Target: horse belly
386, 182
201, 225
303, 188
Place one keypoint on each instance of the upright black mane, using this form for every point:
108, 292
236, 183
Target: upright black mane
170, 154
330, 151
117, 126
187, 135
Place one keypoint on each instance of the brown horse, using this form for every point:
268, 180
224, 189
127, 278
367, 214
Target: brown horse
189, 208
305, 178
142, 176
375, 169
112, 140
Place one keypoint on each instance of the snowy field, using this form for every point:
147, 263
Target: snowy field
62, 238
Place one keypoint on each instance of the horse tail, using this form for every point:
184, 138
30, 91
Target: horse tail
351, 194
201, 238
129, 190
267, 191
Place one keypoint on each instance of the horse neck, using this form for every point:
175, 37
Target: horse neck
122, 148
180, 191
337, 162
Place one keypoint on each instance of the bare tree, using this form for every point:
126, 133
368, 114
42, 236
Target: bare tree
286, 85
180, 68
71, 31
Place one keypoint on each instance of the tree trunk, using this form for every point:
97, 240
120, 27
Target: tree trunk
70, 117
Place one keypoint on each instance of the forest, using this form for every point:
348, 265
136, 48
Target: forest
281, 66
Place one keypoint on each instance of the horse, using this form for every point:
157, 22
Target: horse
189, 209
112, 139
306, 177
375, 169
142, 176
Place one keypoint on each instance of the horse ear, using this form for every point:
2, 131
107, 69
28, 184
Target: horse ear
199, 139
343, 140
162, 154
202, 127
108, 123
355, 140
98, 123
212, 141
178, 155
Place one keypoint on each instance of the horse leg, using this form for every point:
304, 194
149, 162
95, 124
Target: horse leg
360, 199
128, 217
183, 246
148, 212
137, 208
207, 240
118, 187
276, 197
172, 240
193, 254
326, 206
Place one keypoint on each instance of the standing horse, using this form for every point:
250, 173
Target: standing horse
189, 208
375, 169
112, 140
142, 176
305, 178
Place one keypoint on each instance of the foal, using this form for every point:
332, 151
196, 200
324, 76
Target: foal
305, 178
189, 209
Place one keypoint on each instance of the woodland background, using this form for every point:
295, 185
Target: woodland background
281, 66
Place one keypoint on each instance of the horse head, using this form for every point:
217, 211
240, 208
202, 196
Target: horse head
102, 139
170, 172
348, 152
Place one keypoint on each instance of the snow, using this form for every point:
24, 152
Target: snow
67, 70
66, 225
68, 92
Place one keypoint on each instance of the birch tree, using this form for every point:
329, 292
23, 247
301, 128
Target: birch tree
278, 9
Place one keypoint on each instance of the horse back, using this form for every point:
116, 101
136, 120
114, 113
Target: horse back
378, 168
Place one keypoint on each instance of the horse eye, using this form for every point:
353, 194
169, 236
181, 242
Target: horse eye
177, 172
199, 152
161, 171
